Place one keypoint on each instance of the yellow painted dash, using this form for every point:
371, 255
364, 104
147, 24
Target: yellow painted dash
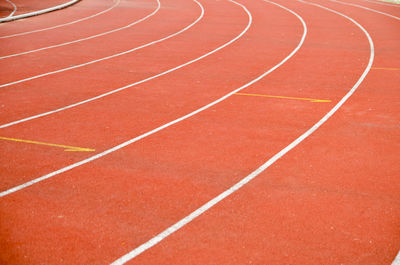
386, 68
66, 147
282, 97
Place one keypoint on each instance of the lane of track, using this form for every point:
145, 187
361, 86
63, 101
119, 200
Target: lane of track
193, 141
86, 17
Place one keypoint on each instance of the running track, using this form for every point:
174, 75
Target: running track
191, 160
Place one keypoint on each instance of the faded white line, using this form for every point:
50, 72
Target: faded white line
114, 55
61, 25
87, 38
115, 148
382, 3
158, 238
14, 8
366, 8
396, 260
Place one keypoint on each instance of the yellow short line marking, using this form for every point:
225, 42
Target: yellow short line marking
270, 96
386, 68
67, 148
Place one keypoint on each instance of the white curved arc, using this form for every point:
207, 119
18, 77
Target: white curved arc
366, 8
114, 55
396, 260
14, 8
158, 238
87, 38
62, 25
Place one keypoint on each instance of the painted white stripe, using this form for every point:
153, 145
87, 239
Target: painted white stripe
114, 55
366, 8
158, 238
14, 8
382, 3
115, 148
396, 259
87, 38
39, 12
124, 87
62, 25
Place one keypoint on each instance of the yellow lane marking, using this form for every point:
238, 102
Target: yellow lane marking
270, 96
385, 68
67, 148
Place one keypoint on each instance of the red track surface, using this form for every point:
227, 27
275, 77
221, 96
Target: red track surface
333, 199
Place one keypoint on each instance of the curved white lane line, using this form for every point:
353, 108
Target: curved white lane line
396, 260
158, 238
14, 8
62, 25
114, 55
39, 12
366, 8
115, 148
87, 38
381, 3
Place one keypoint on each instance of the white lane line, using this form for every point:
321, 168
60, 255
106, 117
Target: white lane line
381, 3
396, 260
39, 12
366, 8
87, 38
114, 55
62, 25
158, 238
115, 148
14, 8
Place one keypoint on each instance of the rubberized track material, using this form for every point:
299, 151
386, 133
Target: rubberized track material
260, 132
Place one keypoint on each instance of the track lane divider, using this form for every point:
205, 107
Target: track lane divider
178, 225
380, 2
87, 38
114, 55
62, 25
366, 8
396, 260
